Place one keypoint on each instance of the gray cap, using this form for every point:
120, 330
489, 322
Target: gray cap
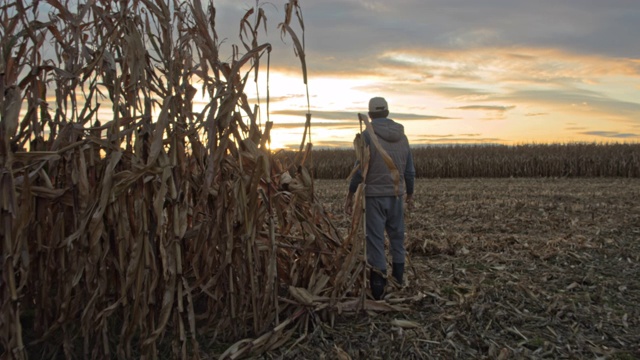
377, 104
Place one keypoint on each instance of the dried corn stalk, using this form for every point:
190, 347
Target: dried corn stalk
133, 224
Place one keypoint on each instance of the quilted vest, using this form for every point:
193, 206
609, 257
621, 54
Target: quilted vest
380, 181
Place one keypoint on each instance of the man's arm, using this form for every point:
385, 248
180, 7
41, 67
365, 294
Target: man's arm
356, 179
409, 180
348, 203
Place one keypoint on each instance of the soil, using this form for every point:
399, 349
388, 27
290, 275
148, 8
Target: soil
501, 269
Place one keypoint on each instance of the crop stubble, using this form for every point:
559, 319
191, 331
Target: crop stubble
506, 268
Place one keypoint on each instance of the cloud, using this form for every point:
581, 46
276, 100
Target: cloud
611, 134
576, 100
316, 124
328, 115
480, 36
460, 93
493, 112
375, 6
469, 138
454, 140
277, 99
343, 115
587, 26
513, 65
403, 116
486, 108
426, 136
351, 37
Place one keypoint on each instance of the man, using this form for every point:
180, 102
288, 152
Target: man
384, 197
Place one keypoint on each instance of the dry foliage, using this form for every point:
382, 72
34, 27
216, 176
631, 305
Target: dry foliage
135, 224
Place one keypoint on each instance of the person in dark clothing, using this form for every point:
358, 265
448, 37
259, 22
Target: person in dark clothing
384, 196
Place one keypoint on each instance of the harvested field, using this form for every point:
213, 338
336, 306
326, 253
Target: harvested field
136, 223
503, 268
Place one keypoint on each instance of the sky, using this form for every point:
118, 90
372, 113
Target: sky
456, 71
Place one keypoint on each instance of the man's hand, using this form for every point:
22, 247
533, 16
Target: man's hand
348, 204
409, 201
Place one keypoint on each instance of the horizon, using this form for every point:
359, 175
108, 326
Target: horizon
420, 146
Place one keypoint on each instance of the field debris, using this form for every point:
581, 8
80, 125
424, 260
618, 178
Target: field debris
503, 269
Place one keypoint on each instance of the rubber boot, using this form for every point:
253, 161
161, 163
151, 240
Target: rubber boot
377, 282
398, 272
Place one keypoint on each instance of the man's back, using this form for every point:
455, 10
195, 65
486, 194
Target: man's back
380, 181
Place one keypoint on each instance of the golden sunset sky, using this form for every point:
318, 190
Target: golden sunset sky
456, 71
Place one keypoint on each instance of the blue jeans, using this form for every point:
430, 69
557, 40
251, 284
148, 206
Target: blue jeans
385, 213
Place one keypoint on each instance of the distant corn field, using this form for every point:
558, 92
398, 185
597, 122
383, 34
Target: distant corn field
542, 160
133, 224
